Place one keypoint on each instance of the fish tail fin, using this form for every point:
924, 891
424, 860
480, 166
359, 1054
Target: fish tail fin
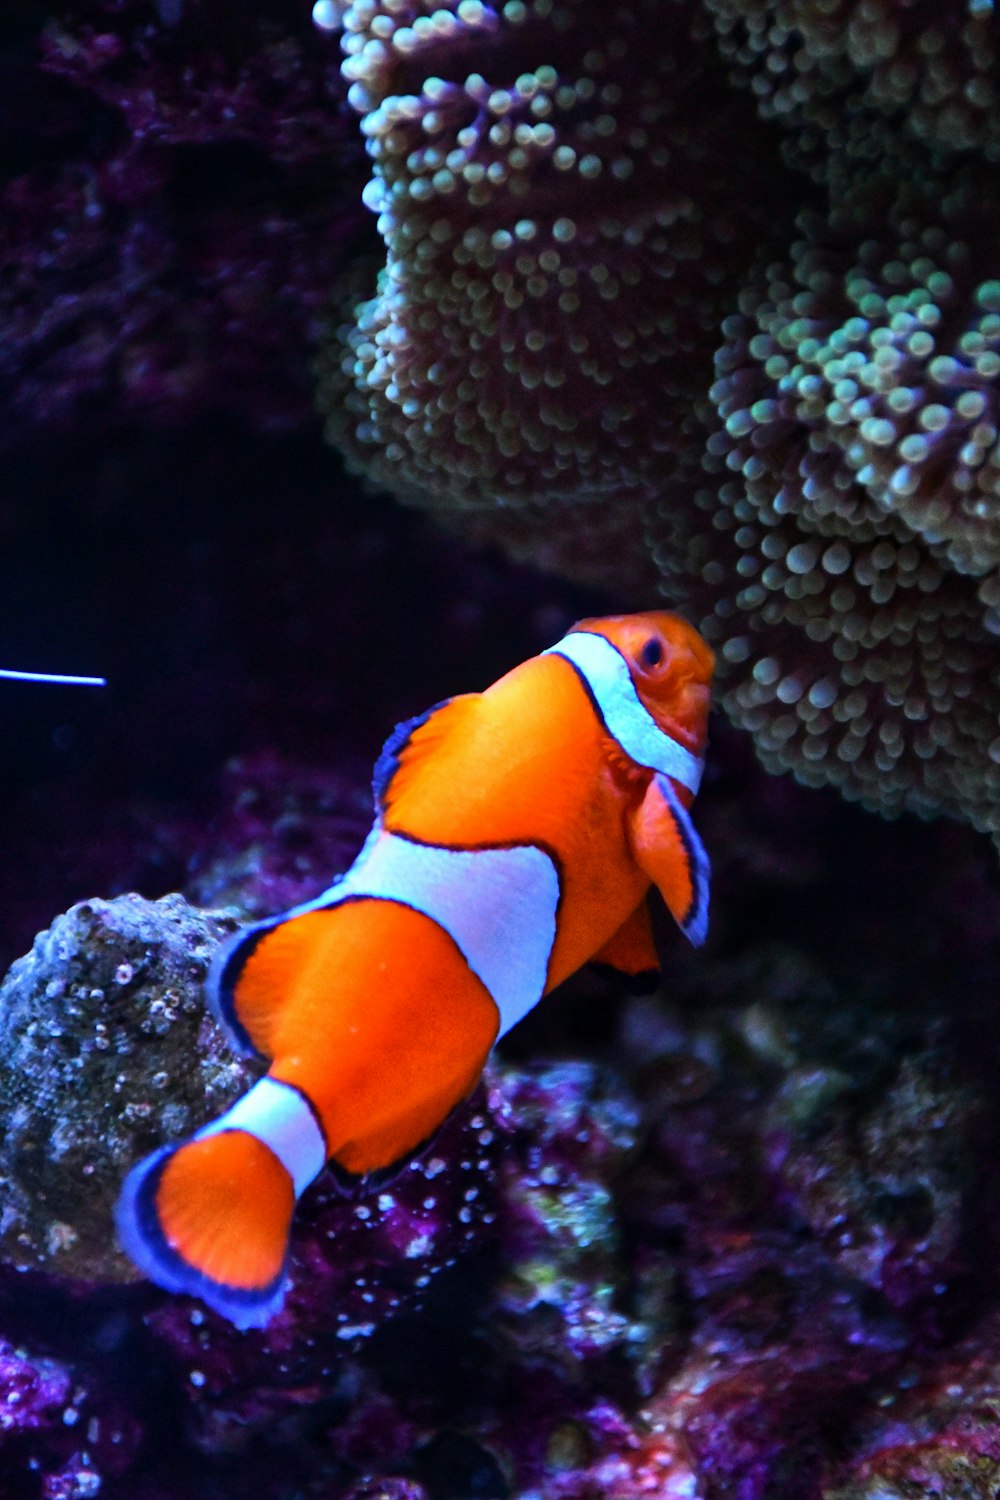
211, 1218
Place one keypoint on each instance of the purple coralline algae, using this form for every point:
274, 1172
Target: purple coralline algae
283, 830
62, 1437
176, 200
572, 1128
885, 1205
936, 1434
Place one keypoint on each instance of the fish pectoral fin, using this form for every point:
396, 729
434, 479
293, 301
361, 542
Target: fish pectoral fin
668, 850
411, 742
631, 950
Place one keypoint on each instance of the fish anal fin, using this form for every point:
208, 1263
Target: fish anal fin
256, 974
412, 742
667, 849
384, 1148
631, 951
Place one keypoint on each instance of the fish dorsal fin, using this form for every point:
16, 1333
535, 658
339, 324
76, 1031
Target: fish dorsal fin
254, 974
411, 744
631, 951
669, 851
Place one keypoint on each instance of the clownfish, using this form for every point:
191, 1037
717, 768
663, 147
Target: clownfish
517, 834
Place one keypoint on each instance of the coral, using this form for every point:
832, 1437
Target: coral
561, 240
884, 359
101, 1021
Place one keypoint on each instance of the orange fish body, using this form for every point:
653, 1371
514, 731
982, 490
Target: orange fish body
517, 834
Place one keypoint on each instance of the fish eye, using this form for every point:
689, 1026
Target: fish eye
652, 652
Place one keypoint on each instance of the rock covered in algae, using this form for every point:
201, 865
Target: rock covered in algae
106, 1051
282, 831
182, 190
355, 1261
934, 1434
572, 1127
883, 1199
61, 1436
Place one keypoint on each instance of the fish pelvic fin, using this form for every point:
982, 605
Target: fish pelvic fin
630, 953
667, 849
211, 1218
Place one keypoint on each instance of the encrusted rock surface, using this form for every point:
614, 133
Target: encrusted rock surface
62, 1436
106, 1050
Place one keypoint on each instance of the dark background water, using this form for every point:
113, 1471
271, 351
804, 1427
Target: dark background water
236, 592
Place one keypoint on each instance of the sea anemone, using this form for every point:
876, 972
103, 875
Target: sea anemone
859, 551
561, 241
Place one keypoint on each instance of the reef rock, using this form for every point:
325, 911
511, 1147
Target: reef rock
106, 1051
282, 832
180, 188
935, 1433
60, 1432
572, 1128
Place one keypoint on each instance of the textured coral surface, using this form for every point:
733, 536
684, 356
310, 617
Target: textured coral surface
100, 1022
